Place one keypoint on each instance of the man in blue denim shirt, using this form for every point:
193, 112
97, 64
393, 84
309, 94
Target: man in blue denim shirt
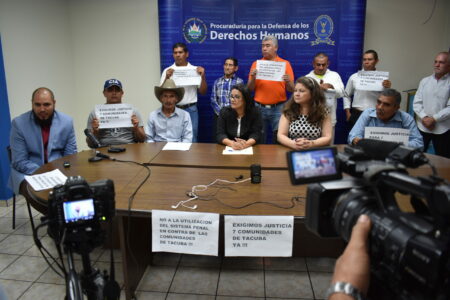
386, 114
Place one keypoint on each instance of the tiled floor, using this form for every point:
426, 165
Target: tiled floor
24, 274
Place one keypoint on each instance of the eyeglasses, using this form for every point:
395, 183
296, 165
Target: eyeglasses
237, 97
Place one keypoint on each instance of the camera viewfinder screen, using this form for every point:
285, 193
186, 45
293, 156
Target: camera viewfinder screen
313, 165
81, 210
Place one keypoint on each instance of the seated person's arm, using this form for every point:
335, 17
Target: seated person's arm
256, 126
283, 131
93, 125
187, 134
20, 160
71, 145
357, 132
150, 130
325, 139
138, 129
415, 138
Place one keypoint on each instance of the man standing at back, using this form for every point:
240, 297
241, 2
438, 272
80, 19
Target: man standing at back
270, 95
113, 92
39, 136
362, 99
432, 105
330, 82
189, 101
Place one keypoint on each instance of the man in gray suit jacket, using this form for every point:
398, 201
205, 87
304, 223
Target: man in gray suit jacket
39, 136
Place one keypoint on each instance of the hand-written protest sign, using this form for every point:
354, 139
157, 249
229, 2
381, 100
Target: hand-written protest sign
185, 232
258, 235
389, 134
114, 115
371, 80
270, 70
186, 77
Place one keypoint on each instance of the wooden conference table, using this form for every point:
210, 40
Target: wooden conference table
173, 173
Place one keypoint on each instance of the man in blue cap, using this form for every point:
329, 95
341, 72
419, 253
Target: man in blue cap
113, 92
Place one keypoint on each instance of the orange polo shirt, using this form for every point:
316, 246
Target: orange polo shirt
271, 92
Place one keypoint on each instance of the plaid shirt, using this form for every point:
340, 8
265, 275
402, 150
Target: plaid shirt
220, 95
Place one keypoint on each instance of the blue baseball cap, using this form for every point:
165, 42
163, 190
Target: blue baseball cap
112, 82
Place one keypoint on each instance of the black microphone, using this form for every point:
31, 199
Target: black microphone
255, 173
94, 141
99, 154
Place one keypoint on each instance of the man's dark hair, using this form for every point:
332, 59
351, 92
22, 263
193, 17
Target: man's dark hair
321, 54
180, 45
234, 59
392, 93
42, 89
373, 52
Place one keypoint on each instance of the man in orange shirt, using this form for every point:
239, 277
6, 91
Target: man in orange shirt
271, 95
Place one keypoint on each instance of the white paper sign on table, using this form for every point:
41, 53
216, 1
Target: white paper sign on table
270, 70
114, 115
259, 235
230, 151
389, 134
185, 232
177, 146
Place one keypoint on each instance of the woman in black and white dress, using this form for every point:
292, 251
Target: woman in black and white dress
305, 121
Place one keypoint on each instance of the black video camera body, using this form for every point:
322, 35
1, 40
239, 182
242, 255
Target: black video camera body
76, 209
409, 251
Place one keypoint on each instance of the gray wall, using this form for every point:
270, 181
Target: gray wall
72, 46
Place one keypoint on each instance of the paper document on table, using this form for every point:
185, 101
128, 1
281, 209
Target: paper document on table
270, 70
230, 151
46, 180
177, 146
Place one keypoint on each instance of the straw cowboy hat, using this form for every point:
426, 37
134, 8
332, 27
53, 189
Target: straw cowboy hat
169, 85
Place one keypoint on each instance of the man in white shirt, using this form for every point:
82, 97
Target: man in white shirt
432, 106
189, 101
362, 100
330, 82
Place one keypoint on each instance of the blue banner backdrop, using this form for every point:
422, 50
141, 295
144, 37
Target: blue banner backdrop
5, 125
216, 29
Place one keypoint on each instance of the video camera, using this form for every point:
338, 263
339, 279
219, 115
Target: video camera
409, 252
76, 209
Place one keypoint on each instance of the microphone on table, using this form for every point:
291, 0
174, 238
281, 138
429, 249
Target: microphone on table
255, 173
96, 144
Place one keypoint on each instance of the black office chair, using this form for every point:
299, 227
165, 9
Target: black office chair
8, 149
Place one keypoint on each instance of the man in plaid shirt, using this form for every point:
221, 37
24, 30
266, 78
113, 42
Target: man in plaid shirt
220, 95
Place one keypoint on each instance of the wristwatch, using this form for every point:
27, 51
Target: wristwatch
345, 288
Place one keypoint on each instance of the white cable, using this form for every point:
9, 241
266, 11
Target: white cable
202, 188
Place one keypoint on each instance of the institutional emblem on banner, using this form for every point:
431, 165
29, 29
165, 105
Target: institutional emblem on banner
323, 28
194, 30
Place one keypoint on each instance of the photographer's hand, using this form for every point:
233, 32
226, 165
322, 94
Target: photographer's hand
353, 266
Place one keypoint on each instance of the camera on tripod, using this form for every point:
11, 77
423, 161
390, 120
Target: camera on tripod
76, 211
409, 251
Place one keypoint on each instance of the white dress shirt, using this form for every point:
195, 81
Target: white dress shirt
433, 99
362, 100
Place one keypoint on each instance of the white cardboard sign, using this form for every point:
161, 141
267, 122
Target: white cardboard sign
398, 135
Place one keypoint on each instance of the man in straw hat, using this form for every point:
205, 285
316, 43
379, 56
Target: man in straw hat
169, 123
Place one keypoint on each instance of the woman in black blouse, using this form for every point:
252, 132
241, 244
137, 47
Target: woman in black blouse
240, 125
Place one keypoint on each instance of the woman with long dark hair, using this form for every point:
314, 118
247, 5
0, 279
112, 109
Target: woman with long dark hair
239, 125
305, 121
